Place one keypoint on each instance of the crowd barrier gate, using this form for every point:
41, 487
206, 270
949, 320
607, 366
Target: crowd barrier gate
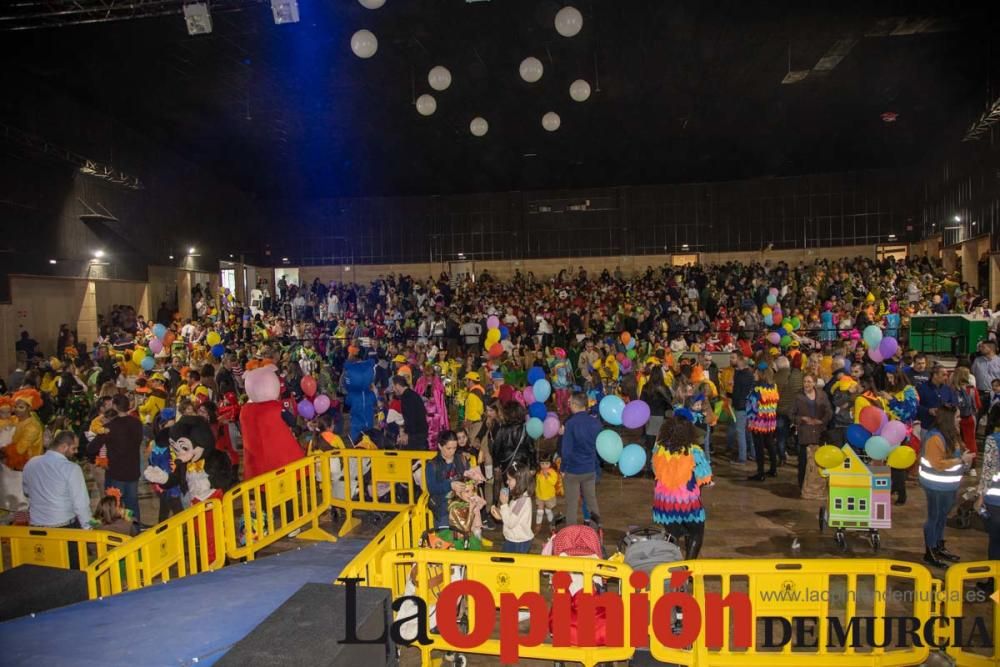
51, 547
403, 532
961, 595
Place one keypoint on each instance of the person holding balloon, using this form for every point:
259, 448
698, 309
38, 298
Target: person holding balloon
943, 462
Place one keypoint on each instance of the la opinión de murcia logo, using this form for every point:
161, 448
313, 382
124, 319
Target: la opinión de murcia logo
676, 620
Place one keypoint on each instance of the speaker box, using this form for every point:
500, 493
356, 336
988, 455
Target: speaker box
308, 628
27, 589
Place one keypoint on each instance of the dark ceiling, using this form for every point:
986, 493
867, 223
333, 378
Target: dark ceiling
684, 90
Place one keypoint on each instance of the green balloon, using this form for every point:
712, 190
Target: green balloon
786, 341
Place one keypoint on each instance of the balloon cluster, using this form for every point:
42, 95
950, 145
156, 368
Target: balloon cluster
541, 422
215, 341
610, 447
313, 404
494, 334
781, 326
145, 357
879, 348
875, 434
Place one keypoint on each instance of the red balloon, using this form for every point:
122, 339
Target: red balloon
496, 350
776, 317
308, 385
871, 418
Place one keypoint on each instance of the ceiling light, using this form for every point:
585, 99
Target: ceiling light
171, 256
347, 268
684, 246
52, 261
285, 11
230, 255
958, 218
284, 259
892, 236
198, 18
98, 254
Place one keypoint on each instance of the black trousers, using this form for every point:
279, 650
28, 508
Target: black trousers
993, 530
768, 441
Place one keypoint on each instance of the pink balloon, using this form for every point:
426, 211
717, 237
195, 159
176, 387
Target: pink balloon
550, 427
155, 346
493, 322
529, 395
894, 432
321, 403
875, 355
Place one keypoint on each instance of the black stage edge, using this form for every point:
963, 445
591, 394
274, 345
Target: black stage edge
28, 589
309, 627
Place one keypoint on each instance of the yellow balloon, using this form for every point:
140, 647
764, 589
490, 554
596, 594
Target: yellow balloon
766, 310
213, 338
492, 336
787, 326
902, 457
829, 456
138, 354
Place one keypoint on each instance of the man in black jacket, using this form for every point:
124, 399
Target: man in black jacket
225, 381
414, 433
123, 441
742, 386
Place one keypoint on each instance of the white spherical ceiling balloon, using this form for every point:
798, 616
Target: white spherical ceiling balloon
579, 90
364, 44
551, 121
371, 4
439, 78
479, 126
531, 69
569, 21
426, 105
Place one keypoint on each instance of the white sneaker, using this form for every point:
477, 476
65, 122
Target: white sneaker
973, 473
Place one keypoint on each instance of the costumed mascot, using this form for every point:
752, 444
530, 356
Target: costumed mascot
431, 389
26, 442
200, 471
357, 383
268, 443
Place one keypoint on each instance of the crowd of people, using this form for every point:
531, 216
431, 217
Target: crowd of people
414, 364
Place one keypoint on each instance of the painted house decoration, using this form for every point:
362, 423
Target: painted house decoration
859, 493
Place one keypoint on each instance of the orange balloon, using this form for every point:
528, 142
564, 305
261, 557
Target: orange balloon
626, 337
496, 350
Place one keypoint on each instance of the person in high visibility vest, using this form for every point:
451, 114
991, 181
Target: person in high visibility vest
989, 484
943, 462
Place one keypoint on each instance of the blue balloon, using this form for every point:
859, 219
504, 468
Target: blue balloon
878, 448
504, 333
535, 373
542, 390
632, 461
611, 409
768, 320
857, 435
147, 363
159, 330
218, 350
538, 411
535, 428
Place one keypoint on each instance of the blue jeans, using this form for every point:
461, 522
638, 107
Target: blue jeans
516, 547
939, 503
739, 432
586, 512
784, 430
130, 495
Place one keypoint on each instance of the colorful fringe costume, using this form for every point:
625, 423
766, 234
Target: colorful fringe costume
679, 478
762, 409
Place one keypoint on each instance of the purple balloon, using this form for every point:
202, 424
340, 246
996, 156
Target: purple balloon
551, 415
894, 432
550, 427
306, 409
321, 403
888, 347
875, 355
635, 414
155, 345
529, 395
492, 322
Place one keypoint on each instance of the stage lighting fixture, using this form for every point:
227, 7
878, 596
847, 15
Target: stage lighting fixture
285, 11
198, 18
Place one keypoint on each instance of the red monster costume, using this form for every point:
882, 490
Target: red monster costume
268, 443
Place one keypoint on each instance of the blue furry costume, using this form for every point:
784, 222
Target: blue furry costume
357, 381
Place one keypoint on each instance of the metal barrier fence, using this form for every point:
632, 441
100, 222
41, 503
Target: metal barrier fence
269, 507
185, 544
403, 532
503, 577
821, 589
376, 481
963, 597
55, 547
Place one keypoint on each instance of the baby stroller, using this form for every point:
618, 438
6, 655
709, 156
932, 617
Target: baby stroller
966, 507
643, 550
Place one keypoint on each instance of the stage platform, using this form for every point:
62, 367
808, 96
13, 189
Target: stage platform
190, 621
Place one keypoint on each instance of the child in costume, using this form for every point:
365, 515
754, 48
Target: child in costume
562, 380
548, 487
681, 470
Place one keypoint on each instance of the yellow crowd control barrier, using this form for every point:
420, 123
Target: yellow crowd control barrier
829, 595
376, 481
403, 532
187, 543
964, 599
425, 572
51, 547
269, 507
